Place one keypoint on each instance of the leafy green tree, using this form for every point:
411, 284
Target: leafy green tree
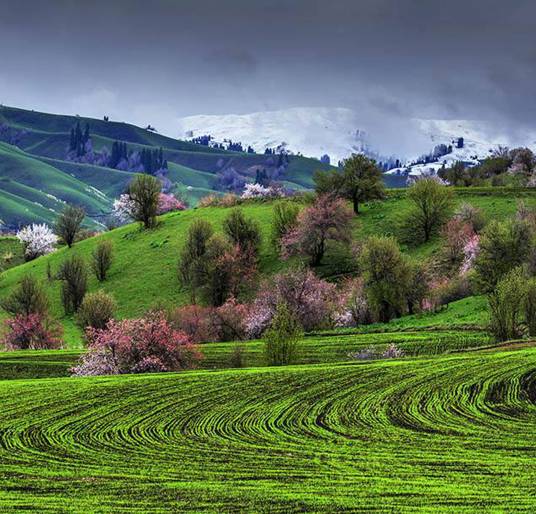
242, 231
285, 214
506, 303
193, 265
29, 297
530, 307
144, 191
431, 205
73, 274
68, 224
388, 277
101, 259
503, 246
281, 339
360, 180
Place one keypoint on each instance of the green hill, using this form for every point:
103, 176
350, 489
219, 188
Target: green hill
145, 268
36, 178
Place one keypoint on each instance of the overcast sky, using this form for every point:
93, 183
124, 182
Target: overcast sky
153, 61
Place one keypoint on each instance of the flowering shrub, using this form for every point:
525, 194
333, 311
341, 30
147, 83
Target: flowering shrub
137, 346
37, 239
197, 322
310, 299
123, 208
169, 203
31, 332
257, 191
392, 352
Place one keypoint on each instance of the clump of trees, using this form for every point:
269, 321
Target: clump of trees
359, 180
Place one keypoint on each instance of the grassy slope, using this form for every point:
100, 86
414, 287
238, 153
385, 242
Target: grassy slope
445, 434
144, 271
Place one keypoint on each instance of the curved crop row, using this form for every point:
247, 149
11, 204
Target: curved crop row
452, 434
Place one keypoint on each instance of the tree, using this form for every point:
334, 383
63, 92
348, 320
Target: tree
143, 345
242, 231
193, 259
387, 277
285, 214
96, 310
328, 219
101, 259
37, 240
68, 223
73, 274
530, 307
313, 300
281, 339
144, 193
29, 297
503, 246
32, 332
431, 206
506, 305
360, 180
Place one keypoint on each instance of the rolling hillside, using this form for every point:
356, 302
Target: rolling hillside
36, 177
145, 268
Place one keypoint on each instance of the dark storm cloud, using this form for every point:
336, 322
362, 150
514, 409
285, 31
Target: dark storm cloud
155, 61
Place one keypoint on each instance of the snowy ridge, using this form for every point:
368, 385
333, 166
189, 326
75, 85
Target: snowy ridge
339, 132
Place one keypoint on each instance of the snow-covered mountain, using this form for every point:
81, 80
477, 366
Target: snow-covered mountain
313, 132
339, 132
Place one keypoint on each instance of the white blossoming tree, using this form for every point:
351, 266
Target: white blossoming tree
37, 239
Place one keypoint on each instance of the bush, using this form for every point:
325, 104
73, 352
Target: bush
73, 274
137, 346
281, 339
68, 224
31, 332
29, 297
101, 259
472, 216
284, 219
506, 306
243, 232
96, 310
144, 193
169, 203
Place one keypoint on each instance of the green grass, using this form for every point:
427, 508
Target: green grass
444, 434
11, 252
313, 349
